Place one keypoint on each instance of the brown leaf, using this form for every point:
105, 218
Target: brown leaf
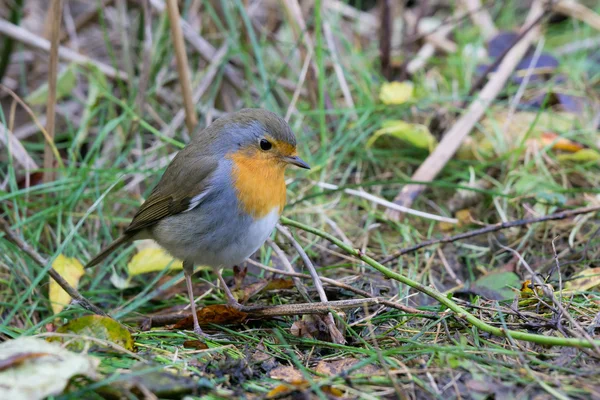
316, 327
214, 314
19, 358
337, 367
286, 373
279, 283
253, 289
559, 143
195, 344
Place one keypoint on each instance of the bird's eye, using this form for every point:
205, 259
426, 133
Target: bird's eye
265, 144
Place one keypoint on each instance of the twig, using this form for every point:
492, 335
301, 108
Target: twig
336, 335
578, 11
267, 311
55, 14
339, 72
16, 149
37, 42
42, 262
191, 120
341, 285
480, 17
460, 312
85, 18
388, 204
491, 228
298, 89
452, 139
289, 269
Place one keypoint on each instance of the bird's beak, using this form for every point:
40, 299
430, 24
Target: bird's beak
297, 161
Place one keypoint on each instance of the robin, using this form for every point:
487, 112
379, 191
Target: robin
221, 196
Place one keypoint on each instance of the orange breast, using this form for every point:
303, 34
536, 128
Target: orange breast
259, 183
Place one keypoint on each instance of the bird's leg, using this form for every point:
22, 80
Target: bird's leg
231, 301
188, 271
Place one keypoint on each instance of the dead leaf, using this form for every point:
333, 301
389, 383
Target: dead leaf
239, 274
95, 326
559, 143
45, 374
243, 295
286, 373
219, 314
396, 92
70, 269
195, 344
152, 259
286, 389
339, 367
584, 281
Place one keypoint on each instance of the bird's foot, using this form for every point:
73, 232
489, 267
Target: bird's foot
198, 331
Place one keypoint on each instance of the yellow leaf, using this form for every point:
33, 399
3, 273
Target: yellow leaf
151, 259
70, 269
584, 281
415, 134
396, 92
582, 156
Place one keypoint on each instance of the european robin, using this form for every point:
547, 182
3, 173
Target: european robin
221, 196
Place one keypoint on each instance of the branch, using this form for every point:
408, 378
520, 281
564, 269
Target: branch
491, 228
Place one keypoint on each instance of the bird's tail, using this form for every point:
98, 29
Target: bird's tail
109, 249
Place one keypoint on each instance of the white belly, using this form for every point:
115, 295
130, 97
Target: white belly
257, 233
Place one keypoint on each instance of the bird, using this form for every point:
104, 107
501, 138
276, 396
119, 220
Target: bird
220, 197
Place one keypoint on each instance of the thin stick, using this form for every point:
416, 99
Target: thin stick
341, 285
336, 335
16, 149
55, 14
37, 42
491, 228
480, 17
454, 137
42, 262
388, 204
266, 311
578, 11
191, 120
289, 269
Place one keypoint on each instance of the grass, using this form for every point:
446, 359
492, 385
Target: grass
110, 168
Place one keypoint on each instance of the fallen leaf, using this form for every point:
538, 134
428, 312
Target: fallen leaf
415, 134
98, 327
339, 367
584, 281
219, 314
43, 375
70, 269
286, 373
195, 344
246, 292
583, 156
152, 259
286, 389
559, 143
396, 92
